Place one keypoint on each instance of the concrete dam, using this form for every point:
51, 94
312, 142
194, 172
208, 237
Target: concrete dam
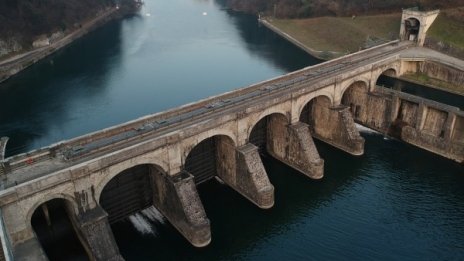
158, 160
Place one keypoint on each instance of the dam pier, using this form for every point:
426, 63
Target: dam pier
158, 160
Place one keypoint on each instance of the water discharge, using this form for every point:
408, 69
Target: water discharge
395, 202
141, 223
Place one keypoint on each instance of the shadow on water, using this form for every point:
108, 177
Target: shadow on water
238, 225
77, 72
257, 38
394, 190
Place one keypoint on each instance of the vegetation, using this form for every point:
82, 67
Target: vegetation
424, 79
317, 8
23, 21
448, 28
349, 34
340, 34
26, 19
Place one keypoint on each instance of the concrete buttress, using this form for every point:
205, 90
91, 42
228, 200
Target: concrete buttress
251, 177
95, 230
176, 197
338, 129
300, 152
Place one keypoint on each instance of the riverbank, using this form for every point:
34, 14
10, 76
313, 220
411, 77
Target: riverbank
331, 37
15, 64
326, 37
322, 55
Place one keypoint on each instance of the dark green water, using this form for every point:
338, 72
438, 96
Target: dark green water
396, 202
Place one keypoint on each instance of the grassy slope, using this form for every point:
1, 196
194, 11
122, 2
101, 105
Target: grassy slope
449, 27
342, 34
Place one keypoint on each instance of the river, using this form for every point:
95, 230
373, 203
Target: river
394, 202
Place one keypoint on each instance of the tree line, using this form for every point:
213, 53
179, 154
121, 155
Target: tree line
314, 8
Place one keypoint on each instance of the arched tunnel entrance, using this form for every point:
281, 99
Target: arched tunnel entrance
147, 196
412, 27
388, 79
355, 97
214, 156
52, 223
128, 192
268, 133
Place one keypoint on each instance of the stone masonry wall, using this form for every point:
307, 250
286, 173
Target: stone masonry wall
442, 72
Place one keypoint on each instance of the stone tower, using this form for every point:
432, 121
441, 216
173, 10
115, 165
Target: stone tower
415, 23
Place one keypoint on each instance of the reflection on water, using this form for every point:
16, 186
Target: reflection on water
37, 100
141, 65
395, 202
257, 39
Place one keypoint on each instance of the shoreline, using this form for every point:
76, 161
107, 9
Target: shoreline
316, 53
14, 65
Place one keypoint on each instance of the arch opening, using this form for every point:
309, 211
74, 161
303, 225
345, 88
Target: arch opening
412, 27
214, 156
53, 223
316, 113
267, 133
388, 79
129, 192
355, 97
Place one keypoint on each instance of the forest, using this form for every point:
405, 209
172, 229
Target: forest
28, 18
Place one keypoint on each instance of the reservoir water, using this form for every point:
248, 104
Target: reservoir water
396, 202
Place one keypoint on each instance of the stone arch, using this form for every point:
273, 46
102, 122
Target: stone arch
269, 132
350, 83
189, 144
304, 100
356, 98
212, 156
114, 170
317, 114
262, 116
412, 27
68, 198
390, 71
129, 191
57, 211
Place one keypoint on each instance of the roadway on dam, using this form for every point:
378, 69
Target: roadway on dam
394, 202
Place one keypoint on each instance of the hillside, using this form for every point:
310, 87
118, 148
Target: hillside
349, 34
340, 34
318, 8
23, 21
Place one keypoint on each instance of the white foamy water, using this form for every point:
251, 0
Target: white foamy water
366, 130
141, 224
153, 215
